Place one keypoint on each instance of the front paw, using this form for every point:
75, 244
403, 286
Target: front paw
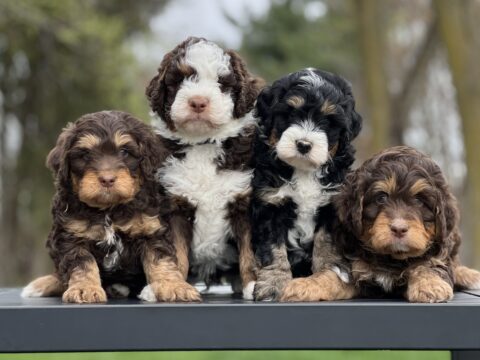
248, 291
302, 289
170, 291
84, 294
429, 290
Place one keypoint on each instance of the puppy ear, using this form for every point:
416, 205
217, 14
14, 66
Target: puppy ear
152, 150
353, 117
349, 204
57, 157
246, 86
156, 89
447, 215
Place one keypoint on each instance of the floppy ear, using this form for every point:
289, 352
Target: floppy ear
156, 89
446, 212
349, 203
152, 150
246, 86
57, 157
265, 101
353, 117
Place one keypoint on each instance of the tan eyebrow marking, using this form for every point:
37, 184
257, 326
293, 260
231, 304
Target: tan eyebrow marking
296, 101
389, 185
328, 108
121, 139
88, 141
419, 186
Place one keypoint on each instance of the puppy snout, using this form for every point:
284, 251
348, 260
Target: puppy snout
399, 227
107, 180
303, 146
198, 103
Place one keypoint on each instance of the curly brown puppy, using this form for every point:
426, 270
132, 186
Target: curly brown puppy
399, 228
107, 225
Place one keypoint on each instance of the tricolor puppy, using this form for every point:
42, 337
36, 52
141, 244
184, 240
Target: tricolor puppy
202, 98
399, 228
302, 152
107, 228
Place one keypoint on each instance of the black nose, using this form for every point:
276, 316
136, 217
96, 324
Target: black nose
303, 146
107, 180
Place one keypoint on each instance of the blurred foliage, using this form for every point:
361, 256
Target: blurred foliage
292, 36
58, 60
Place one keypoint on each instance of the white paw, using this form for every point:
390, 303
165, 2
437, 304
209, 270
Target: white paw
118, 291
248, 290
30, 291
147, 294
343, 275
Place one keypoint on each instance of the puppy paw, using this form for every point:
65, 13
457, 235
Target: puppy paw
248, 290
302, 289
429, 290
467, 278
84, 294
49, 285
170, 291
265, 291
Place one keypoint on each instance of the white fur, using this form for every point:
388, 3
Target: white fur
385, 281
308, 194
119, 290
147, 294
209, 62
31, 291
248, 291
306, 131
197, 178
343, 275
312, 79
230, 129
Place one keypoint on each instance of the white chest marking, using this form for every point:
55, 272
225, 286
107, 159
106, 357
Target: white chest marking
197, 178
308, 194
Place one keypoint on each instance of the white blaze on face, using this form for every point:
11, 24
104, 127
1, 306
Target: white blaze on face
210, 62
305, 131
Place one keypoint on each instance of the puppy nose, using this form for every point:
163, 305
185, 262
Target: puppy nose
303, 146
399, 227
107, 180
198, 103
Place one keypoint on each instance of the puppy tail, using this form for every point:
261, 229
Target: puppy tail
45, 286
466, 278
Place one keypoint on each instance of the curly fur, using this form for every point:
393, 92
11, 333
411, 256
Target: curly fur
208, 172
90, 243
402, 185
291, 190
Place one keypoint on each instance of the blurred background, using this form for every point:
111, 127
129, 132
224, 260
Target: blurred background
414, 66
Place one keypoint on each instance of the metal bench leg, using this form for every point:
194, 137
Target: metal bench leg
465, 355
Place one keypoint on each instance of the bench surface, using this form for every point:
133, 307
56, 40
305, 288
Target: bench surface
224, 322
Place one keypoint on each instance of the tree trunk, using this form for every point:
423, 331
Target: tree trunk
463, 51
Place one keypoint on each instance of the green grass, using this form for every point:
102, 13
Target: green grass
239, 355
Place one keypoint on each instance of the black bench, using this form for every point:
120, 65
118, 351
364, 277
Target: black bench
222, 322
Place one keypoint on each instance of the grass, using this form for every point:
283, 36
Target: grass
239, 355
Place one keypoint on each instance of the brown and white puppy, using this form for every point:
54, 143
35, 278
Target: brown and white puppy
107, 225
202, 100
399, 228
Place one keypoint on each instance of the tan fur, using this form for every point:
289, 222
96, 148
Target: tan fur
333, 150
273, 139
426, 286
121, 139
185, 69
167, 281
272, 279
141, 224
92, 193
328, 108
325, 285
48, 285
466, 278
82, 229
181, 246
88, 141
296, 101
84, 285
246, 259
419, 186
389, 185
380, 238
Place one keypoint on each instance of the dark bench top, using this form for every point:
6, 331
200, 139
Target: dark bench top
223, 322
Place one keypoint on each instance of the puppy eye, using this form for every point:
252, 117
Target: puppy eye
124, 152
381, 198
418, 201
